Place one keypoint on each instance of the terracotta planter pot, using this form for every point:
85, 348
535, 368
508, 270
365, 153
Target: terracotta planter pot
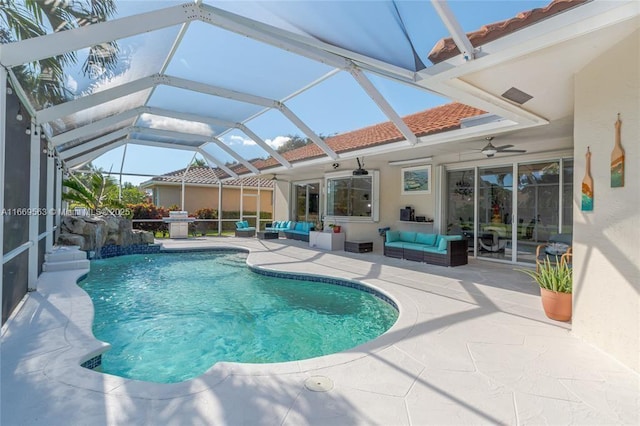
557, 306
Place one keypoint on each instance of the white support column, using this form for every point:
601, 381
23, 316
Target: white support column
257, 139
95, 153
382, 103
458, 35
219, 208
97, 126
36, 48
241, 199
306, 129
233, 154
184, 175
3, 129
61, 110
58, 198
95, 143
51, 192
212, 159
34, 199
258, 207
124, 156
514, 214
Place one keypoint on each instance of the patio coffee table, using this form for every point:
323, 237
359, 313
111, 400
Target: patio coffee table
358, 246
267, 235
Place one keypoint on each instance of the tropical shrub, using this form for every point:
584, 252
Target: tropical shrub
206, 213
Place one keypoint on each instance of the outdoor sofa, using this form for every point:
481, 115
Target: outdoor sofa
244, 230
279, 226
436, 249
299, 230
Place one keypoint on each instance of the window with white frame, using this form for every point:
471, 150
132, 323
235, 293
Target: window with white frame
352, 197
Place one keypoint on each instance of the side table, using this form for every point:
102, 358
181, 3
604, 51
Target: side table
267, 235
326, 240
358, 246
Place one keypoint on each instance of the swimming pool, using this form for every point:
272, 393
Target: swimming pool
170, 316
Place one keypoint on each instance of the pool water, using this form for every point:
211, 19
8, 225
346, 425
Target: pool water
170, 316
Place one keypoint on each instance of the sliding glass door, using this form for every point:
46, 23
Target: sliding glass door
480, 205
307, 205
538, 206
460, 211
495, 212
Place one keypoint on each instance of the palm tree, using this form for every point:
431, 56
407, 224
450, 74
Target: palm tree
44, 79
99, 192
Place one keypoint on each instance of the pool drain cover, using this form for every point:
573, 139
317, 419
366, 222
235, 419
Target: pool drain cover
318, 384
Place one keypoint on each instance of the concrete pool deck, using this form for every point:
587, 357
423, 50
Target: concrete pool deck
472, 345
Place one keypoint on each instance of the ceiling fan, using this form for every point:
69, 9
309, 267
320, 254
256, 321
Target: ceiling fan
489, 150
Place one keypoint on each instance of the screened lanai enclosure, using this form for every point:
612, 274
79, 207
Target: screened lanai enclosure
146, 80
144, 87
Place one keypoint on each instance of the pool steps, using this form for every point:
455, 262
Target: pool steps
65, 258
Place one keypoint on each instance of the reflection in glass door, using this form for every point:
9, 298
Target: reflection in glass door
307, 206
538, 206
460, 211
495, 215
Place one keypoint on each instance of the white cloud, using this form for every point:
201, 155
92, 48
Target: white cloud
184, 126
277, 142
71, 83
239, 140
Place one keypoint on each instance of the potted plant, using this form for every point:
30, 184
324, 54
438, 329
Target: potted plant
556, 285
336, 228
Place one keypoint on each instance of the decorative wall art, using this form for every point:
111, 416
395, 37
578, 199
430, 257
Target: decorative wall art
587, 186
416, 180
617, 159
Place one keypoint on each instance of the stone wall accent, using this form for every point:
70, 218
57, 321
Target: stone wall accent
92, 233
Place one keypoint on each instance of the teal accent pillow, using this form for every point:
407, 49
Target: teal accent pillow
245, 224
392, 236
426, 239
239, 225
305, 227
442, 245
291, 225
407, 237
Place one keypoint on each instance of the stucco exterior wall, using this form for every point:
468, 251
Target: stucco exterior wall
391, 200
607, 240
281, 208
197, 197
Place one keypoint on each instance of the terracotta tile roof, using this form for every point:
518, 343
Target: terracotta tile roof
209, 176
446, 48
435, 120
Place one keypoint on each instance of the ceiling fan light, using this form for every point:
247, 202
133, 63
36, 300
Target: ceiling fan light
489, 152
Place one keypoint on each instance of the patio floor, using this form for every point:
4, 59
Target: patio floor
471, 345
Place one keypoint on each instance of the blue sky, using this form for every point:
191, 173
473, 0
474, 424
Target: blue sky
334, 106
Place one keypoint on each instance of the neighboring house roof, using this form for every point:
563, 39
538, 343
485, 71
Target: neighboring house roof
206, 175
435, 120
447, 49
